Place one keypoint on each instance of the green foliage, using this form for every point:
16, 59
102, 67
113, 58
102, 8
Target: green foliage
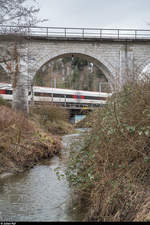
76, 173
66, 59
79, 78
39, 79
80, 63
75, 79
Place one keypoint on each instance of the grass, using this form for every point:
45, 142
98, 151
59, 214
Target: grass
4, 102
23, 142
111, 173
54, 119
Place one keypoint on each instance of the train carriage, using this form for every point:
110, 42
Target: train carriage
58, 96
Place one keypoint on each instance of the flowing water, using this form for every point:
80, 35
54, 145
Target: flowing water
38, 194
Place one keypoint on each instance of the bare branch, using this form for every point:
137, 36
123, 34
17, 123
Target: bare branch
17, 12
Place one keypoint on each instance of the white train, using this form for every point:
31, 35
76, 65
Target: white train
59, 96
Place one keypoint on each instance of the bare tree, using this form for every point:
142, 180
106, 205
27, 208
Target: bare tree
18, 12
21, 14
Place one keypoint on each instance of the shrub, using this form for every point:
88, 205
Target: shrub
111, 173
51, 113
54, 119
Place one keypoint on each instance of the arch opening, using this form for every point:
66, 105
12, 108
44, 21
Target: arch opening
144, 71
74, 71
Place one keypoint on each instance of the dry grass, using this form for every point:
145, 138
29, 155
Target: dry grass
23, 142
4, 102
54, 119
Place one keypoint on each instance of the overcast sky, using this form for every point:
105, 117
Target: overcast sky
96, 13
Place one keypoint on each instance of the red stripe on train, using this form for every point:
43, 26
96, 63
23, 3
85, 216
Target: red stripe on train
78, 96
2, 92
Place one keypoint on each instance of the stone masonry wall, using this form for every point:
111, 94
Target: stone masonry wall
113, 57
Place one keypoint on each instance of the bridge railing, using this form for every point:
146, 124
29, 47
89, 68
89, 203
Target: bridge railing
84, 33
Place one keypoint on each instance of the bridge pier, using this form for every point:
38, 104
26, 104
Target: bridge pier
126, 66
21, 83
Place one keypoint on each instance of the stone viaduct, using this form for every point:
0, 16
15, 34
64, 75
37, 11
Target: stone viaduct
118, 53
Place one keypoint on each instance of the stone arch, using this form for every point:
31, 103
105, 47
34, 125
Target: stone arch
143, 64
99, 63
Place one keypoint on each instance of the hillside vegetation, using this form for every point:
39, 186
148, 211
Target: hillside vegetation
111, 173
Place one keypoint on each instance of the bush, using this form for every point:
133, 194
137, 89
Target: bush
111, 173
51, 113
54, 119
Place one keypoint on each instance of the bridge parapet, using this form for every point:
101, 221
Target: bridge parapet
77, 33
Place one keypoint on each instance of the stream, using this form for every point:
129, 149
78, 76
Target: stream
38, 194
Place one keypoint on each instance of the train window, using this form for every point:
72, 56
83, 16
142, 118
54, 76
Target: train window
58, 95
52, 94
42, 94
96, 98
88, 97
9, 92
68, 96
6, 92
